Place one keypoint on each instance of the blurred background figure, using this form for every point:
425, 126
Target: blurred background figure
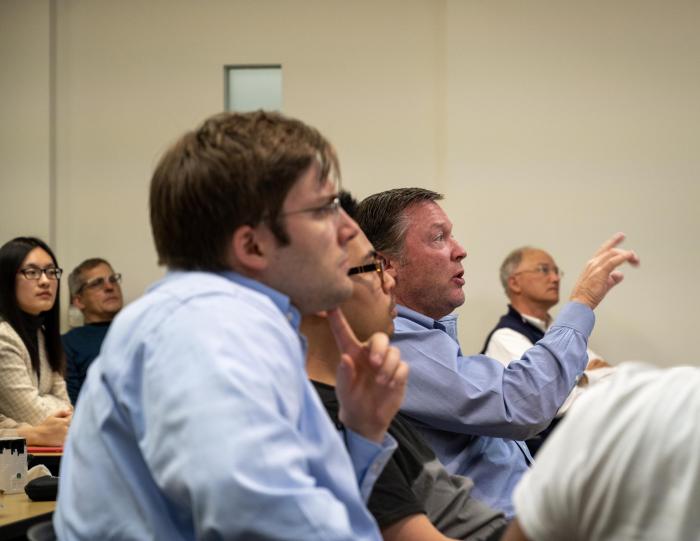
95, 290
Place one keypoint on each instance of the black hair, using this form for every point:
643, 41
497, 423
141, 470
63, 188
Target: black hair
12, 254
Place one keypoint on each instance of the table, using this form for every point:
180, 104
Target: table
18, 513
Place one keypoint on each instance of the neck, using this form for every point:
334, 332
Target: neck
322, 357
87, 319
430, 312
532, 309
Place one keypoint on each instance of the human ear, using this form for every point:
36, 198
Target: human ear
514, 284
78, 303
389, 266
249, 247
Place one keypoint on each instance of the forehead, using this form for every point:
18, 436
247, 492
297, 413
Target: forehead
426, 215
536, 257
37, 256
311, 188
102, 269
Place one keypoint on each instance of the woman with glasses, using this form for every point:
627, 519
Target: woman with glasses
32, 387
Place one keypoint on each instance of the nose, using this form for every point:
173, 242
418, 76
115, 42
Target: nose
458, 251
347, 228
44, 279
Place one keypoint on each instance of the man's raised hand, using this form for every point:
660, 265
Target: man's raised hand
601, 272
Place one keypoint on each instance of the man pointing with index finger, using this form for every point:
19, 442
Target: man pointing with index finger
472, 410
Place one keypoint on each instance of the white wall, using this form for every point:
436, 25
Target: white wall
24, 119
568, 122
543, 122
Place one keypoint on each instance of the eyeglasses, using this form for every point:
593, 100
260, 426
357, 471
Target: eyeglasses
34, 273
377, 265
544, 269
97, 283
332, 208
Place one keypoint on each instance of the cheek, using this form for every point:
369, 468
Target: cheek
23, 293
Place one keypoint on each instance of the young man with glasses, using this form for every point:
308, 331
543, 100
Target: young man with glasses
95, 290
415, 498
197, 420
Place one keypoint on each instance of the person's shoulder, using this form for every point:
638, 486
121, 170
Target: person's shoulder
197, 288
73, 334
8, 333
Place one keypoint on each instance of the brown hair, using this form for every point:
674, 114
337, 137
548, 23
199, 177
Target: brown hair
382, 216
235, 170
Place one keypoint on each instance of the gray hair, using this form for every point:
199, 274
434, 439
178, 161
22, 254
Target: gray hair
75, 278
510, 263
382, 216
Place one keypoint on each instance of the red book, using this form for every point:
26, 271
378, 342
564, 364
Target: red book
35, 449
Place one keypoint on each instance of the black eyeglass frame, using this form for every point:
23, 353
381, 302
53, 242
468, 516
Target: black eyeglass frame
377, 265
56, 271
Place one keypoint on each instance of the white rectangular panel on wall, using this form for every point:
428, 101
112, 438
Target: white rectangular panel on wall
249, 88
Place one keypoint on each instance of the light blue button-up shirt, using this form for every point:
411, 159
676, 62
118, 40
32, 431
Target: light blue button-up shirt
197, 421
472, 409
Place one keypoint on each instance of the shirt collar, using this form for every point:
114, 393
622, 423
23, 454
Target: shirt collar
280, 300
447, 324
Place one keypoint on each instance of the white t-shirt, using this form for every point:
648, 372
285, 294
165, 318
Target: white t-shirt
624, 464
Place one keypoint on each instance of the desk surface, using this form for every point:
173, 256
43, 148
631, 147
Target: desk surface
18, 512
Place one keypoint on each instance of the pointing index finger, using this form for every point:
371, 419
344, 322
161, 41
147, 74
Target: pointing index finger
344, 337
613, 241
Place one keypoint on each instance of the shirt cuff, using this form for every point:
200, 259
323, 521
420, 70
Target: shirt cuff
368, 458
577, 316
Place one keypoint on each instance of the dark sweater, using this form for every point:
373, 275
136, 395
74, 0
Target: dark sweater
82, 345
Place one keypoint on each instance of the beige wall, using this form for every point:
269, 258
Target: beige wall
543, 122
25, 183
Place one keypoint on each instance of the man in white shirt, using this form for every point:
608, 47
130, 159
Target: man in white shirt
531, 281
623, 464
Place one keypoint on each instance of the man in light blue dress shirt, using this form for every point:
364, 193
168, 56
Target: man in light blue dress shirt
197, 420
473, 411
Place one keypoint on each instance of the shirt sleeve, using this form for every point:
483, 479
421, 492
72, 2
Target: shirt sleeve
477, 395
507, 345
8, 427
368, 459
392, 498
